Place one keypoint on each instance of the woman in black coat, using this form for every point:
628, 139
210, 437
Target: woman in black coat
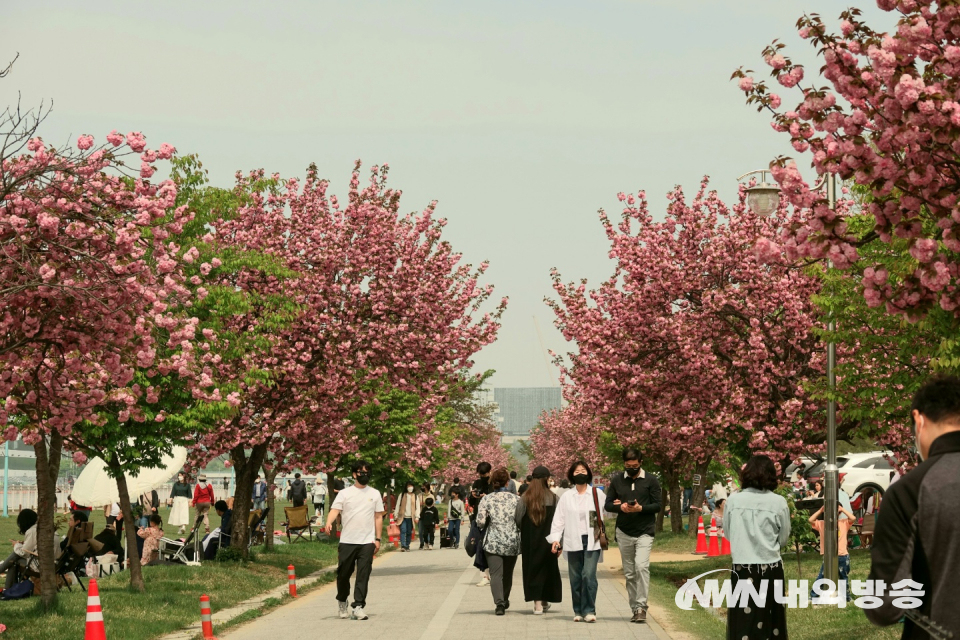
541, 569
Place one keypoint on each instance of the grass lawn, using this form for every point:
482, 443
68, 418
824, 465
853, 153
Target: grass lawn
172, 598
824, 623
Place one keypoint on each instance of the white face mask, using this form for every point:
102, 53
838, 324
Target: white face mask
409, 489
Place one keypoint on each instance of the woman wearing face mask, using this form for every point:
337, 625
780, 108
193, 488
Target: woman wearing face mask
180, 495
407, 514
574, 529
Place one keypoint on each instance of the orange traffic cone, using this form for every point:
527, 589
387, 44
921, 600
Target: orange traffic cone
724, 545
714, 542
394, 539
701, 539
95, 629
206, 620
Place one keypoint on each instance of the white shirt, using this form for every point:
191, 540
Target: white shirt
571, 520
357, 509
114, 509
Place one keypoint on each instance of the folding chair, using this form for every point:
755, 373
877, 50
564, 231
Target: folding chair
74, 554
176, 551
298, 522
257, 533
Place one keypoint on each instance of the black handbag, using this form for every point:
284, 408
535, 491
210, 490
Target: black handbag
474, 540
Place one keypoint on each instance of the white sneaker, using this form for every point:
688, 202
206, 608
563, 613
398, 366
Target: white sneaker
358, 614
344, 610
537, 609
484, 582
578, 618
590, 618
546, 606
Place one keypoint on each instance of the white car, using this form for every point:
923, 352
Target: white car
859, 471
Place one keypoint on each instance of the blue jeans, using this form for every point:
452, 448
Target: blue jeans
406, 532
582, 567
843, 564
259, 504
453, 530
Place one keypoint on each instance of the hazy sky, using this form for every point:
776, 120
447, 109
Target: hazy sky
522, 118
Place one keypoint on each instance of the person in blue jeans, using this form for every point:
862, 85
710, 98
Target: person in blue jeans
455, 515
576, 523
407, 514
845, 520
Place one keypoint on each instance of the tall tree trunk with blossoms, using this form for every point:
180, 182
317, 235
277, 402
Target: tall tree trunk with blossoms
343, 299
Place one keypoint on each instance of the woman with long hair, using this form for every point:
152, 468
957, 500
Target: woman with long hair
756, 521
576, 530
541, 569
496, 516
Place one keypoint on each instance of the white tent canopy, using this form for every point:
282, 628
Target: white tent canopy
95, 487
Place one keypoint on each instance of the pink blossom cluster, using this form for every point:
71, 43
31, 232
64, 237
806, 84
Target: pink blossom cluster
375, 298
90, 271
694, 343
890, 121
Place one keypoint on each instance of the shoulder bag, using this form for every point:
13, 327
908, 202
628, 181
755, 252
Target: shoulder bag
600, 529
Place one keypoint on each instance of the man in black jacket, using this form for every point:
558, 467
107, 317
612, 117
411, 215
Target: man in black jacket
917, 529
635, 497
298, 491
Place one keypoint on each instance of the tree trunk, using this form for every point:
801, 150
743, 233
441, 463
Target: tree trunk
48, 468
676, 507
246, 470
130, 529
271, 476
699, 492
664, 500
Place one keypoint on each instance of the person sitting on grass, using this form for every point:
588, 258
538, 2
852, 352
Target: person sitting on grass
219, 537
110, 543
76, 521
151, 538
25, 550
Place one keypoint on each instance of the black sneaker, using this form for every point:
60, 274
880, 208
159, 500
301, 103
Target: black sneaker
501, 610
506, 604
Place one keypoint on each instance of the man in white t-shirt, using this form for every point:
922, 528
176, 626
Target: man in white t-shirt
361, 507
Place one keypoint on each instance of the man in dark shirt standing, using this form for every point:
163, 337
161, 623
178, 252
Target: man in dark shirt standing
635, 497
481, 487
917, 528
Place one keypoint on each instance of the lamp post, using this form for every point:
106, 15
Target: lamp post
763, 199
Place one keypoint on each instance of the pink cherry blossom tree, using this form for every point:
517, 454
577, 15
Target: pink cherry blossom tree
89, 272
694, 345
345, 298
889, 120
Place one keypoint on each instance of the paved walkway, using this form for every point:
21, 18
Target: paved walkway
432, 595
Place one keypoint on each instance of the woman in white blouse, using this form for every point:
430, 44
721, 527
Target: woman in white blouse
575, 527
26, 549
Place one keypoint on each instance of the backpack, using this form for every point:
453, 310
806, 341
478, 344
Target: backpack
20, 590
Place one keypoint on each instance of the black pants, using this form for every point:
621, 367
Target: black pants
350, 556
428, 533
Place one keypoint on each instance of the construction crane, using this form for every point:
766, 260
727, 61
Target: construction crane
543, 349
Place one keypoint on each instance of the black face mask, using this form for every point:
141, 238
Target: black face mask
633, 472
363, 478
581, 478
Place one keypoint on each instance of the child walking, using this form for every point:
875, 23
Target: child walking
429, 517
843, 560
151, 539
455, 515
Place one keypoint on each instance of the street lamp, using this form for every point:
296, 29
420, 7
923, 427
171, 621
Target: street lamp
763, 200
